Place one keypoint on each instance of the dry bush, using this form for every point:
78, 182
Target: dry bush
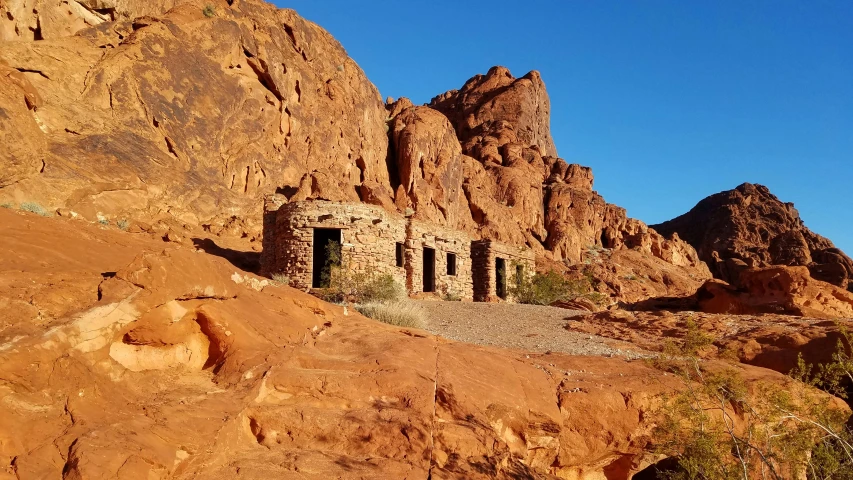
35, 208
401, 313
719, 428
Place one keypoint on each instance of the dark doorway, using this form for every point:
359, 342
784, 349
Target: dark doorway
500, 277
451, 264
429, 269
399, 255
327, 252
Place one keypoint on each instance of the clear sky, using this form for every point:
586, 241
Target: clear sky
668, 101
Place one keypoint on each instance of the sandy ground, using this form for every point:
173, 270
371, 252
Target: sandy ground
525, 327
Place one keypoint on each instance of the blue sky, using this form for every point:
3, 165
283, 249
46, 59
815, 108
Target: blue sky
667, 100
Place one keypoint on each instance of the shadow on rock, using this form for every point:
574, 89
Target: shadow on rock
246, 261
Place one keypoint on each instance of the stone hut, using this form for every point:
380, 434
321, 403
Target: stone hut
298, 234
423, 256
438, 260
497, 269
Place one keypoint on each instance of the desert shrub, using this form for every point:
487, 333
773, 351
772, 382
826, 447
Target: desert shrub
400, 313
346, 284
547, 288
451, 294
104, 221
6, 205
35, 208
281, 278
715, 429
123, 224
209, 11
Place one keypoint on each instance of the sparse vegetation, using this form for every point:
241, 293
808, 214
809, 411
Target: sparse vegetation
399, 313
630, 276
719, 428
209, 11
547, 288
6, 205
123, 224
35, 208
104, 221
451, 294
281, 279
346, 284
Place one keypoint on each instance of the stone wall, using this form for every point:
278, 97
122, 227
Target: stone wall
484, 255
369, 238
443, 241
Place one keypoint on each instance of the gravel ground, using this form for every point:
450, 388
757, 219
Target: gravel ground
525, 327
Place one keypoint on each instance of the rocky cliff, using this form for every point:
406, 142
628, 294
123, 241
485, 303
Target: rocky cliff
185, 115
189, 116
750, 227
122, 356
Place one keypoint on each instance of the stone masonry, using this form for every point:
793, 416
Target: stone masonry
373, 238
485, 255
369, 236
444, 242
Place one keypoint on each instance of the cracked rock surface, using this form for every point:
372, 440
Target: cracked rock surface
123, 356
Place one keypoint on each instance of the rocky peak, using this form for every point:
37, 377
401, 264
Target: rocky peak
496, 109
750, 227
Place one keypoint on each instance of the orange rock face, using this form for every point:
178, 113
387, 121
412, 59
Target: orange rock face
171, 112
769, 340
190, 116
750, 227
127, 357
518, 190
789, 290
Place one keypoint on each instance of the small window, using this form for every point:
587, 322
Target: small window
451, 264
399, 254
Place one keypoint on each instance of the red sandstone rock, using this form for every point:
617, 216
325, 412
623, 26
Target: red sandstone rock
788, 290
750, 227
186, 116
429, 166
766, 340
51, 19
125, 357
520, 193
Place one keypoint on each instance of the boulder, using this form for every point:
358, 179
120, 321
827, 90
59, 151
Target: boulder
751, 226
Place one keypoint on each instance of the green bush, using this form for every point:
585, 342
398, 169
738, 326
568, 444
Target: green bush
345, 284
35, 208
281, 278
123, 224
6, 205
715, 429
209, 11
547, 288
401, 313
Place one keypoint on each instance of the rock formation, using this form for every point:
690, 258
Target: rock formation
750, 227
789, 290
517, 188
51, 19
771, 341
187, 115
126, 357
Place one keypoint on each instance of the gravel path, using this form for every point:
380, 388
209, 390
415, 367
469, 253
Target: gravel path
525, 327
